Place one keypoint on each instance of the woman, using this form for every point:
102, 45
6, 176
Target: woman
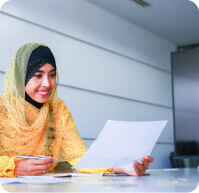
34, 121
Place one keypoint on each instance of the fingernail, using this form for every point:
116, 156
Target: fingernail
54, 159
134, 162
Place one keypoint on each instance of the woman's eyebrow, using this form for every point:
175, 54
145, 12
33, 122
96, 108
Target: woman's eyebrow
43, 71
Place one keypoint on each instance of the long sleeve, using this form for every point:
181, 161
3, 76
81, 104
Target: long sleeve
91, 170
7, 165
73, 145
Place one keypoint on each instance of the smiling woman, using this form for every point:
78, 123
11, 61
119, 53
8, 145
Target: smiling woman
35, 122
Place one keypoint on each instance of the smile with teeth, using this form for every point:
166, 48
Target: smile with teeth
42, 93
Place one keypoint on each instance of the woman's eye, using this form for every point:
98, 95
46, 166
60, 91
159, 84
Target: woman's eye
37, 75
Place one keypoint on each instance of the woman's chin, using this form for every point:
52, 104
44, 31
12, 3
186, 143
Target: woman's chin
41, 100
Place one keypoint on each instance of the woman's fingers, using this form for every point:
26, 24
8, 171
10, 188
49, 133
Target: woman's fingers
37, 173
145, 163
140, 167
37, 167
137, 171
149, 158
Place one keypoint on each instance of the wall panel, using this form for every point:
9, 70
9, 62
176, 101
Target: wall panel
85, 21
85, 66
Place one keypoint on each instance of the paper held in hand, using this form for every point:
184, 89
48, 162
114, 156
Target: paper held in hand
120, 143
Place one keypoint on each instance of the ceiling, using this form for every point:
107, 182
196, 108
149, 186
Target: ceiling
174, 20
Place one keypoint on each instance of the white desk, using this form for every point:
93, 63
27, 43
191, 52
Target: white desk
183, 180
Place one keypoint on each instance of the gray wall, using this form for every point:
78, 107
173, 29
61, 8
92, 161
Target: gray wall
109, 68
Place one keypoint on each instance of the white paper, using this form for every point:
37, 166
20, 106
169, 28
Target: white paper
120, 143
73, 174
34, 180
47, 178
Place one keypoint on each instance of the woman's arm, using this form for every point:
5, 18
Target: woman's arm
138, 167
91, 170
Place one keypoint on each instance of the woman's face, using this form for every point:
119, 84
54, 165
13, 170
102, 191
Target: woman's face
42, 83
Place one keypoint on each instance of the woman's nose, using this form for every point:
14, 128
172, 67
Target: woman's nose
46, 82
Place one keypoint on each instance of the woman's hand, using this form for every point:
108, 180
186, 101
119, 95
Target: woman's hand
33, 167
139, 168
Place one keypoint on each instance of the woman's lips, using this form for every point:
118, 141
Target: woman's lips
43, 93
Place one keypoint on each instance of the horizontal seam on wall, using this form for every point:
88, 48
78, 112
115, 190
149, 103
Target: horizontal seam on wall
88, 43
116, 96
161, 143
110, 95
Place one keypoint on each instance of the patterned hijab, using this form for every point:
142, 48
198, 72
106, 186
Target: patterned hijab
27, 130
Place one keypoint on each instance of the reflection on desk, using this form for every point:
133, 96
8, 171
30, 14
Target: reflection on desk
182, 180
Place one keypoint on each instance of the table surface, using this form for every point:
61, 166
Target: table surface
182, 180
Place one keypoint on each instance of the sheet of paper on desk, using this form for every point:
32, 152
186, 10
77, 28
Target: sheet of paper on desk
34, 180
49, 178
72, 175
119, 143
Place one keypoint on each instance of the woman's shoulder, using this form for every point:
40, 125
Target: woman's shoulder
61, 102
61, 106
61, 111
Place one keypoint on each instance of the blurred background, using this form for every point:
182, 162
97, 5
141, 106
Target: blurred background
113, 57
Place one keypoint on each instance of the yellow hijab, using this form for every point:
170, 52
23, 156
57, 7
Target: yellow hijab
26, 130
